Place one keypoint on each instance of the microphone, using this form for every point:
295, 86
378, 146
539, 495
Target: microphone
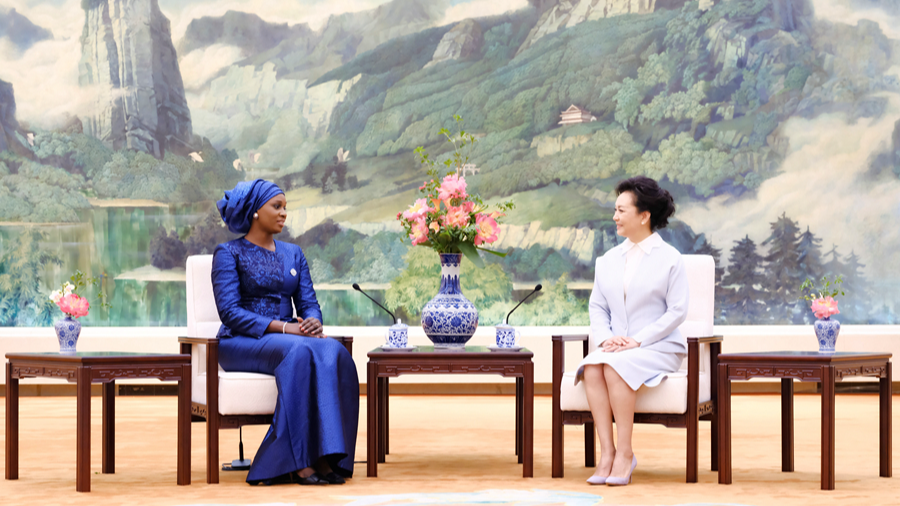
537, 289
358, 289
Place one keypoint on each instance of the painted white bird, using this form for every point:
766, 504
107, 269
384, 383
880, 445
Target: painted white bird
237, 164
255, 156
30, 137
343, 156
195, 156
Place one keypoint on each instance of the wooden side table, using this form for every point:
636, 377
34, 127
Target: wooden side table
804, 366
83, 369
426, 360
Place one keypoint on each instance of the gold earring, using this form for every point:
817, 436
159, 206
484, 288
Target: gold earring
255, 216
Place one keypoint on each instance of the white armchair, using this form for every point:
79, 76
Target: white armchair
237, 398
681, 400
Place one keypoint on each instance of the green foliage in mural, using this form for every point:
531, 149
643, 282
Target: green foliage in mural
23, 300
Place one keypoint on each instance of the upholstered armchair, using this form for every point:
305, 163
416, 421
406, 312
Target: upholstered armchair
680, 401
235, 399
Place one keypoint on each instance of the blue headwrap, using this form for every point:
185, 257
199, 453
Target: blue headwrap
239, 204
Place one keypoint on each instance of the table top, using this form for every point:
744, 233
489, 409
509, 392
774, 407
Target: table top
467, 352
803, 356
100, 357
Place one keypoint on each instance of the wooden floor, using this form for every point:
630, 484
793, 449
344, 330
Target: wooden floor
457, 444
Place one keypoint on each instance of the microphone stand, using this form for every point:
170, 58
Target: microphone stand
537, 289
358, 289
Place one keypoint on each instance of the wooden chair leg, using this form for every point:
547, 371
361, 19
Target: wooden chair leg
557, 443
590, 453
692, 470
714, 441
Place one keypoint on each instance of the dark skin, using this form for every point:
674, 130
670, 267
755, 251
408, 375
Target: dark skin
268, 221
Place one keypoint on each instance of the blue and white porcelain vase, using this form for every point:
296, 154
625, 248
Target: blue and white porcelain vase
449, 319
827, 331
67, 331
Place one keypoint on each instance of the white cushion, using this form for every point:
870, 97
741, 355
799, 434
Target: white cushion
240, 393
670, 396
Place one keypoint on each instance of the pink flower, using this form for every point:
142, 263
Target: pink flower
453, 187
424, 184
823, 308
419, 232
469, 206
435, 226
456, 217
73, 305
418, 210
488, 229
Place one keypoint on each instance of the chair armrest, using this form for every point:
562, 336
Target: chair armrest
706, 339
197, 340
347, 341
559, 357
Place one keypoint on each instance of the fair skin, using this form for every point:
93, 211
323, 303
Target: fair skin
268, 221
608, 394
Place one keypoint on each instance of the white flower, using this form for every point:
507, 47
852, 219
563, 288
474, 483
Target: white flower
69, 287
55, 296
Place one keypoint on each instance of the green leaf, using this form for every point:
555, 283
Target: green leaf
471, 253
499, 254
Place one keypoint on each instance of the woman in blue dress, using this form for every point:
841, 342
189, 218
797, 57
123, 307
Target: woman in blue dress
255, 280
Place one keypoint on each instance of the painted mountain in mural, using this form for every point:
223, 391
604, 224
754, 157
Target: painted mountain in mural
129, 62
764, 118
20, 31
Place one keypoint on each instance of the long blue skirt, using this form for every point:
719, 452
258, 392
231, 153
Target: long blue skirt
317, 412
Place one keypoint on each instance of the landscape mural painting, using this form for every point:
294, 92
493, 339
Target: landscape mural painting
774, 123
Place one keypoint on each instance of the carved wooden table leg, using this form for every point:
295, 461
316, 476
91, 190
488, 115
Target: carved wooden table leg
184, 426
519, 393
372, 419
724, 408
109, 428
787, 425
528, 425
83, 430
884, 433
12, 424
828, 377
382, 420
386, 395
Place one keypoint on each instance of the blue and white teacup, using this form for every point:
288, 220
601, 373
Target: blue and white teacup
507, 336
397, 335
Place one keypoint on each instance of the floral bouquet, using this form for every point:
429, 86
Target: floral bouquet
447, 218
72, 304
822, 298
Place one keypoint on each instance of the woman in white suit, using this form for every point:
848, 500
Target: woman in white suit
639, 299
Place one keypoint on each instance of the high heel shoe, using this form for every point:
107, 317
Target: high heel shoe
614, 481
597, 480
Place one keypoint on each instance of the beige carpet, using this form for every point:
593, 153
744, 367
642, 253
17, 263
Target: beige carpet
452, 444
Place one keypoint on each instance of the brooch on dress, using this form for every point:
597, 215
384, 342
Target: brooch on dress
293, 272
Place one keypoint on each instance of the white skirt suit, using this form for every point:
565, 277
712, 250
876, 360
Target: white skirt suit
653, 276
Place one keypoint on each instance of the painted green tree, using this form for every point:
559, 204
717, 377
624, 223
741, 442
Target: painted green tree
23, 302
744, 298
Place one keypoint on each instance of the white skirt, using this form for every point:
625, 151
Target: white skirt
639, 366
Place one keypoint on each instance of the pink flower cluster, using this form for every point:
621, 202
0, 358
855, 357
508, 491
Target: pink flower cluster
74, 305
437, 213
453, 187
825, 307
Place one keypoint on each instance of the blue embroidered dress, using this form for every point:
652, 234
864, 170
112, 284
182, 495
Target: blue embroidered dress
317, 412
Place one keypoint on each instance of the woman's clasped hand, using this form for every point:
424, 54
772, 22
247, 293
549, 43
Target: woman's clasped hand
619, 343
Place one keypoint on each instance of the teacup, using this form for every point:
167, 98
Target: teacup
397, 335
507, 335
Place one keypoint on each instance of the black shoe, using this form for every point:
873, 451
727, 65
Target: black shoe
313, 479
334, 478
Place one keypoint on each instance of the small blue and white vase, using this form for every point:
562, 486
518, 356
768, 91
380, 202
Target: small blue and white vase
449, 319
827, 331
67, 331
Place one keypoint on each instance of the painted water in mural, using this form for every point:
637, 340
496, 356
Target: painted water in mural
775, 123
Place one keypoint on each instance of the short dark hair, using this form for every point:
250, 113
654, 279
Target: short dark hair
648, 196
